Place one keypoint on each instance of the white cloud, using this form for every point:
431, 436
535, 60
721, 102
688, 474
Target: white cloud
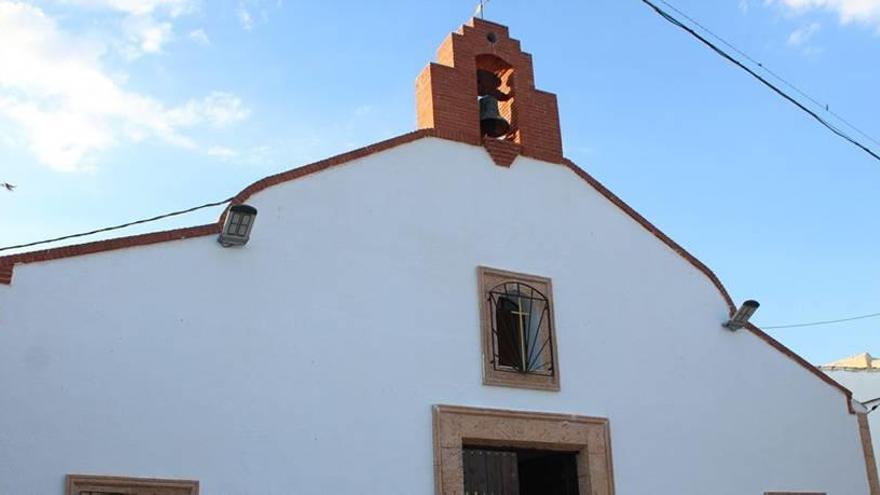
145, 25
222, 152
145, 35
244, 17
200, 37
864, 11
61, 139
218, 109
251, 13
69, 107
137, 7
804, 34
363, 110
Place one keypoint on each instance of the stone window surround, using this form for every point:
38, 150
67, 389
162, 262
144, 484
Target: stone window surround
456, 427
119, 484
488, 278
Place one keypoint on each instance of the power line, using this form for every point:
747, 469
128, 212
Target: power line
121, 226
823, 106
825, 322
672, 20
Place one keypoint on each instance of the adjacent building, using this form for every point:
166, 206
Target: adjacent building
860, 374
457, 310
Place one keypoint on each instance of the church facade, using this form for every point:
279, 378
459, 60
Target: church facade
458, 310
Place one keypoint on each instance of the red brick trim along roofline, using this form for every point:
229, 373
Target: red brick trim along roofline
712, 278
7, 263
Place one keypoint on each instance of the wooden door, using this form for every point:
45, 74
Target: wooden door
490, 472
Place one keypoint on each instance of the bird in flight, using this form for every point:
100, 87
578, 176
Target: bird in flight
8, 186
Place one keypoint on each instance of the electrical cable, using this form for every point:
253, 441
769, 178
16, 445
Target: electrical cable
824, 106
672, 20
668, 18
117, 227
825, 322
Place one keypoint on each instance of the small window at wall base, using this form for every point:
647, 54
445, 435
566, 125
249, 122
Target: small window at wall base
518, 330
78, 484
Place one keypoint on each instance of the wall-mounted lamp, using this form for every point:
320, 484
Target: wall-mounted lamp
742, 315
237, 228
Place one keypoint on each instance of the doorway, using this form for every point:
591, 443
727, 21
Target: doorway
493, 471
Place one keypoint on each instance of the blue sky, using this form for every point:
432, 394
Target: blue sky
112, 110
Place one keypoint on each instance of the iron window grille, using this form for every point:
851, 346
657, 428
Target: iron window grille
521, 329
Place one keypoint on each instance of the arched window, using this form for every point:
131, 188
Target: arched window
517, 328
521, 328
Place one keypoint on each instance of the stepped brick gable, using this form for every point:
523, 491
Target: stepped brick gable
446, 94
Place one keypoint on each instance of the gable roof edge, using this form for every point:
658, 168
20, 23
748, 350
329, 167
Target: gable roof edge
650, 227
7, 263
699, 265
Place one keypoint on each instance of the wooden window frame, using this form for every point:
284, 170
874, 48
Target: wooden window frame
457, 427
487, 279
77, 483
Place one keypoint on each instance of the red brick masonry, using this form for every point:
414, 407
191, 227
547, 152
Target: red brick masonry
446, 92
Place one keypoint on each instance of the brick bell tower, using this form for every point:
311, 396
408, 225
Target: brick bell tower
481, 60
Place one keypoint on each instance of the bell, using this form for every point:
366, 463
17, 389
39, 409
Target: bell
492, 124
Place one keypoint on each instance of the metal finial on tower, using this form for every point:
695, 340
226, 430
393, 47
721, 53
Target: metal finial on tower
479, 10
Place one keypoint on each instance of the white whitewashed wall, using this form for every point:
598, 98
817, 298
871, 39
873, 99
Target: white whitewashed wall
307, 362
